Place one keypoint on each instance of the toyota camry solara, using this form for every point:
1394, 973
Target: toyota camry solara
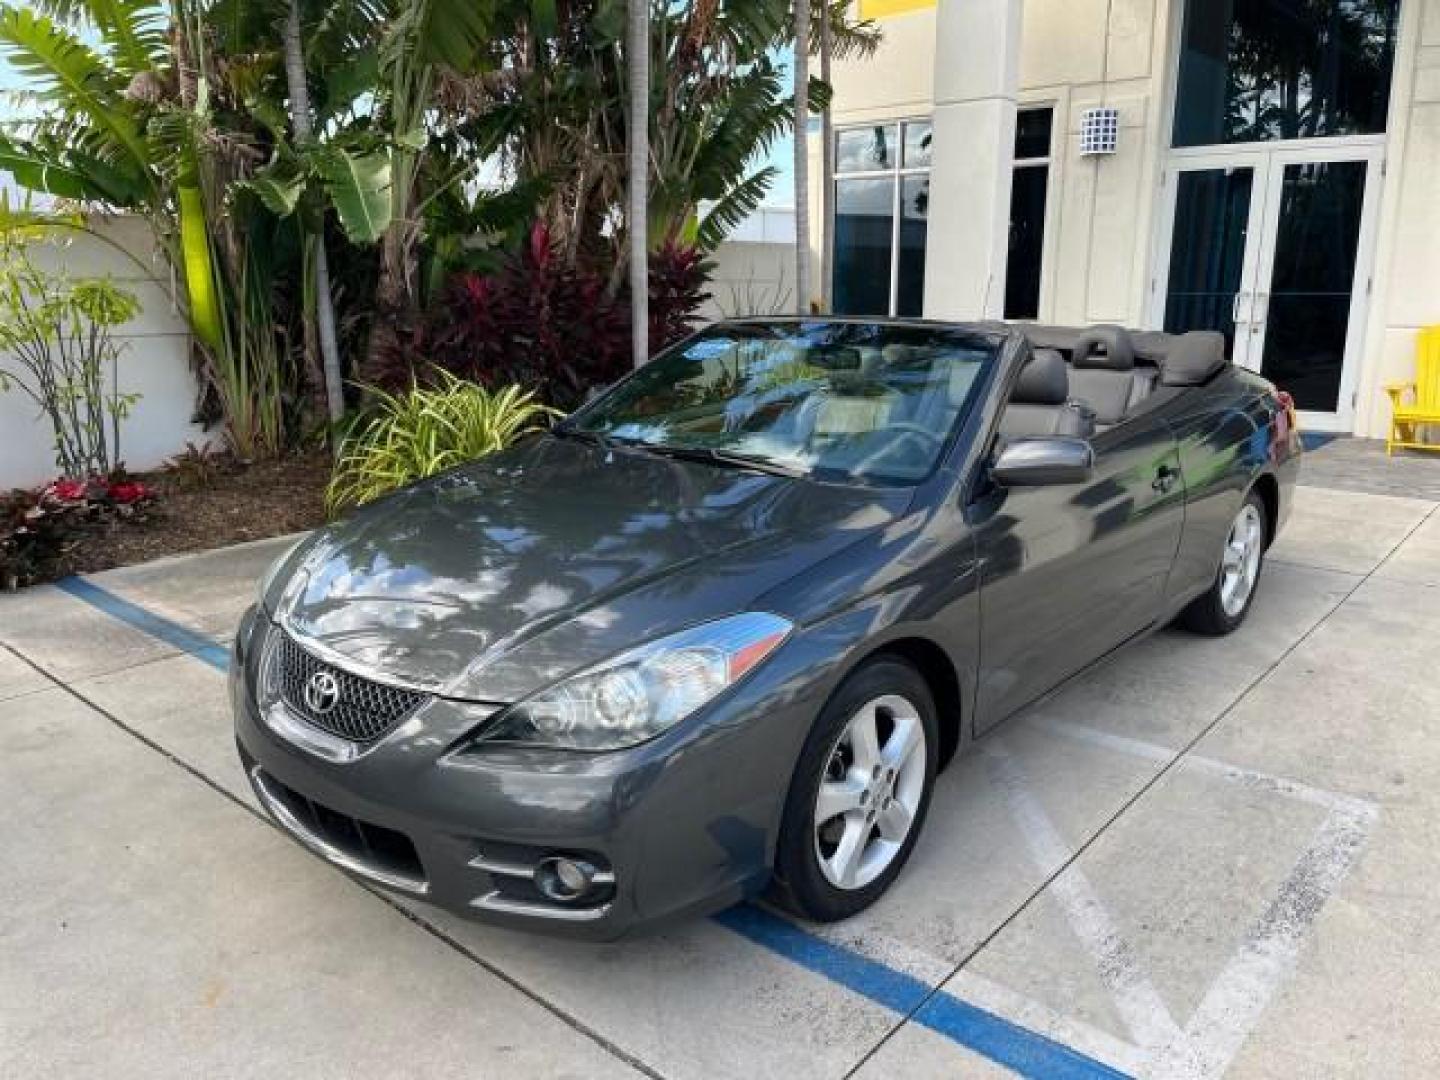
717, 631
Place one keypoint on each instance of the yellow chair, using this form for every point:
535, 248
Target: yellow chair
1417, 403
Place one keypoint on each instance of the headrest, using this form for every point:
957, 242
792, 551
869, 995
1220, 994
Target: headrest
872, 361
1044, 380
1106, 347
897, 355
1192, 358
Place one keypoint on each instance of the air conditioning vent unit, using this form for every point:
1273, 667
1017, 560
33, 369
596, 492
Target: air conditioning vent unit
1100, 130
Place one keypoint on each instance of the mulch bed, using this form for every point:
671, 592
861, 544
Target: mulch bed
232, 504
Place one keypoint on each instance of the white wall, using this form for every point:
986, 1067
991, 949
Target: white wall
755, 268
154, 364
1407, 266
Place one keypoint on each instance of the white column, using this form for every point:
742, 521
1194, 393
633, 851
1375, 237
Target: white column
977, 71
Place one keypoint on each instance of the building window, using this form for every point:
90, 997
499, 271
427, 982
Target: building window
1255, 70
1028, 191
882, 196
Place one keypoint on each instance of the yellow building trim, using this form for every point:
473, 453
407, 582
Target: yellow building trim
883, 9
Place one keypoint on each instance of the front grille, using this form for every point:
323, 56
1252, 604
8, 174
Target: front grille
363, 710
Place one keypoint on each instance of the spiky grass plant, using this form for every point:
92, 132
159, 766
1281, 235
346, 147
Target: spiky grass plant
425, 430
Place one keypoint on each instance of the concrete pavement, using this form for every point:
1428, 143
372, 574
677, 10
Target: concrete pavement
1207, 857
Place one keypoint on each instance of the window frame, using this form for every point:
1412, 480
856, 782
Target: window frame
1048, 161
895, 174
1406, 31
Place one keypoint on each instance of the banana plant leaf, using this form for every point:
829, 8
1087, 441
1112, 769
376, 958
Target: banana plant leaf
199, 270
359, 188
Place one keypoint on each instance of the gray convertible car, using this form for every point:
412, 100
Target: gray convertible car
717, 631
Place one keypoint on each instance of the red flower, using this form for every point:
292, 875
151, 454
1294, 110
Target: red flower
128, 492
69, 490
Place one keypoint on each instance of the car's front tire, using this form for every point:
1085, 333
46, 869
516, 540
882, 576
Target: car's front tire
860, 792
1223, 607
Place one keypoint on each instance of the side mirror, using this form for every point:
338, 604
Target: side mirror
1052, 459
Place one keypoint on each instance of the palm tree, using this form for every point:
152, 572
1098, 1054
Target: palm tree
802, 156
301, 124
637, 49
426, 42
827, 163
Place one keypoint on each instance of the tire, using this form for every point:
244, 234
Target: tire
814, 879
1223, 606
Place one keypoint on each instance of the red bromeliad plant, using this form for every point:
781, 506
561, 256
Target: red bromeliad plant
678, 276
549, 326
537, 323
38, 528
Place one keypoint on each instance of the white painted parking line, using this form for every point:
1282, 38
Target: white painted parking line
1136, 999
1238, 998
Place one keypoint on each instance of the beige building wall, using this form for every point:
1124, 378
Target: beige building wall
1406, 294
1102, 223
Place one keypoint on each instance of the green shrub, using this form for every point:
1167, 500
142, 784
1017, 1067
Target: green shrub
426, 430
57, 346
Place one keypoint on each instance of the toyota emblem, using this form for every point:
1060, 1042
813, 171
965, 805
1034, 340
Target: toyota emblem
322, 693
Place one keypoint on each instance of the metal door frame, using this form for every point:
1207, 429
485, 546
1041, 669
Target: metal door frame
1267, 162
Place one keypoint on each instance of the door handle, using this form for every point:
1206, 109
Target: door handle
1264, 302
1235, 307
1165, 478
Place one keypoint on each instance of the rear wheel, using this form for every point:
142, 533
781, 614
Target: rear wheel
860, 792
1225, 604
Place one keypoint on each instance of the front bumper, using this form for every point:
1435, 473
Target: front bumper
684, 824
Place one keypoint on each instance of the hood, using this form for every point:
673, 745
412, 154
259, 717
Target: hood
433, 585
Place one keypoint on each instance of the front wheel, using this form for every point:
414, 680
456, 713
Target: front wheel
860, 792
1225, 604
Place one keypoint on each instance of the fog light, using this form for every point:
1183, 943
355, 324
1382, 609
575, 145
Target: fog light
564, 880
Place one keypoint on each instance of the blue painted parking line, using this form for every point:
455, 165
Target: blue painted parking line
157, 626
1025, 1052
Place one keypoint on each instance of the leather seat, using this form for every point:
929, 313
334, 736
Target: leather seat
1103, 376
1040, 402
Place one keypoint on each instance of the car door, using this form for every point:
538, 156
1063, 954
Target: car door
1070, 571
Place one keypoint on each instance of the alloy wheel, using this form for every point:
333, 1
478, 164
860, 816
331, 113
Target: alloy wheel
871, 792
1240, 562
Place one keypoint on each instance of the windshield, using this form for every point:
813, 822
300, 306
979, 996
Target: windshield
838, 401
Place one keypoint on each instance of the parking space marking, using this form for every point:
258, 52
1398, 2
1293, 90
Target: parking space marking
1235, 774
157, 626
1237, 998
991, 1020
1025, 1052
1137, 1001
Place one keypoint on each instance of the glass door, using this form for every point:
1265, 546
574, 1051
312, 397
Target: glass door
1306, 320
1272, 248
1213, 210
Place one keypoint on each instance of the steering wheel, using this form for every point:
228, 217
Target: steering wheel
906, 432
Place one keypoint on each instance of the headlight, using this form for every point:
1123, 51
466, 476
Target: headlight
641, 693
267, 579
